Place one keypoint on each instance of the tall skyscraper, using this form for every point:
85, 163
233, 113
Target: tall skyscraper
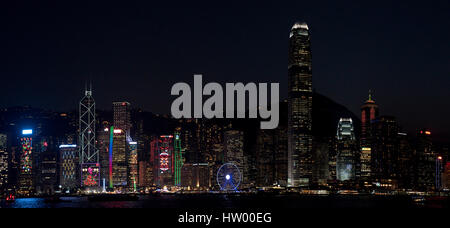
385, 154
103, 144
89, 157
3, 162
347, 149
425, 161
48, 175
178, 159
369, 113
165, 160
119, 159
133, 169
233, 143
405, 165
122, 117
69, 170
300, 107
439, 172
26, 180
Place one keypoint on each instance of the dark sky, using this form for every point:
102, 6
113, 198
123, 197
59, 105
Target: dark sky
136, 52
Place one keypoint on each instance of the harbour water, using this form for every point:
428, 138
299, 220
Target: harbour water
189, 201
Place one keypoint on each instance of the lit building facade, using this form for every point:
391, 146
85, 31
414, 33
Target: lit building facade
439, 171
26, 177
178, 159
233, 144
3, 162
145, 175
89, 156
145, 161
103, 148
369, 113
271, 157
122, 116
69, 163
133, 166
385, 154
425, 164
300, 97
265, 149
119, 158
324, 171
90, 174
195, 176
48, 171
347, 150
164, 160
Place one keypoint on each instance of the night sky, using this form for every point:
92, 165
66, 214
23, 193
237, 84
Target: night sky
136, 52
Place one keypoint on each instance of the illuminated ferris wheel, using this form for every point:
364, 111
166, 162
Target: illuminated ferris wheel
229, 177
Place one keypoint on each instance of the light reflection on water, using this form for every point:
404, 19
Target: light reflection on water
28, 203
221, 201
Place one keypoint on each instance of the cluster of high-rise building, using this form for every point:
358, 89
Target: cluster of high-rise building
128, 150
381, 157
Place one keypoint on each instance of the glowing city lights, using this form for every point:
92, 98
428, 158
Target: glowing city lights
27, 132
67, 146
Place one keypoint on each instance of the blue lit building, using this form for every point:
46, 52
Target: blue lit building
347, 150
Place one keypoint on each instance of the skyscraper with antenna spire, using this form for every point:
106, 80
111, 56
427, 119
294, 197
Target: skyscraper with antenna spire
300, 163
89, 156
369, 112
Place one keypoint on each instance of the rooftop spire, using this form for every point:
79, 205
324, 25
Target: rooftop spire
88, 92
370, 95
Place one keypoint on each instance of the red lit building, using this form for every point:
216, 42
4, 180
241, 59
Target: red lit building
369, 113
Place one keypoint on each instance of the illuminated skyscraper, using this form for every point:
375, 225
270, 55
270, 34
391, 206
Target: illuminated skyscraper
300, 107
439, 172
165, 160
385, 154
145, 162
425, 161
119, 159
178, 160
122, 117
3, 162
133, 169
347, 149
369, 112
145, 174
69, 167
103, 144
89, 157
26, 180
48, 173
233, 144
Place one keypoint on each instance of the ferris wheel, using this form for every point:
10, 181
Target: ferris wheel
229, 177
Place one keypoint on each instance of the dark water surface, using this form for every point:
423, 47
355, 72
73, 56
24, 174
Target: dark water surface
227, 201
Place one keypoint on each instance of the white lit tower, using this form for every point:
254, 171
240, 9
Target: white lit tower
347, 150
89, 156
300, 95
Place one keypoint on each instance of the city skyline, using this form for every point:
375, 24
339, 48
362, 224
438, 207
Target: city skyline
320, 151
357, 47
